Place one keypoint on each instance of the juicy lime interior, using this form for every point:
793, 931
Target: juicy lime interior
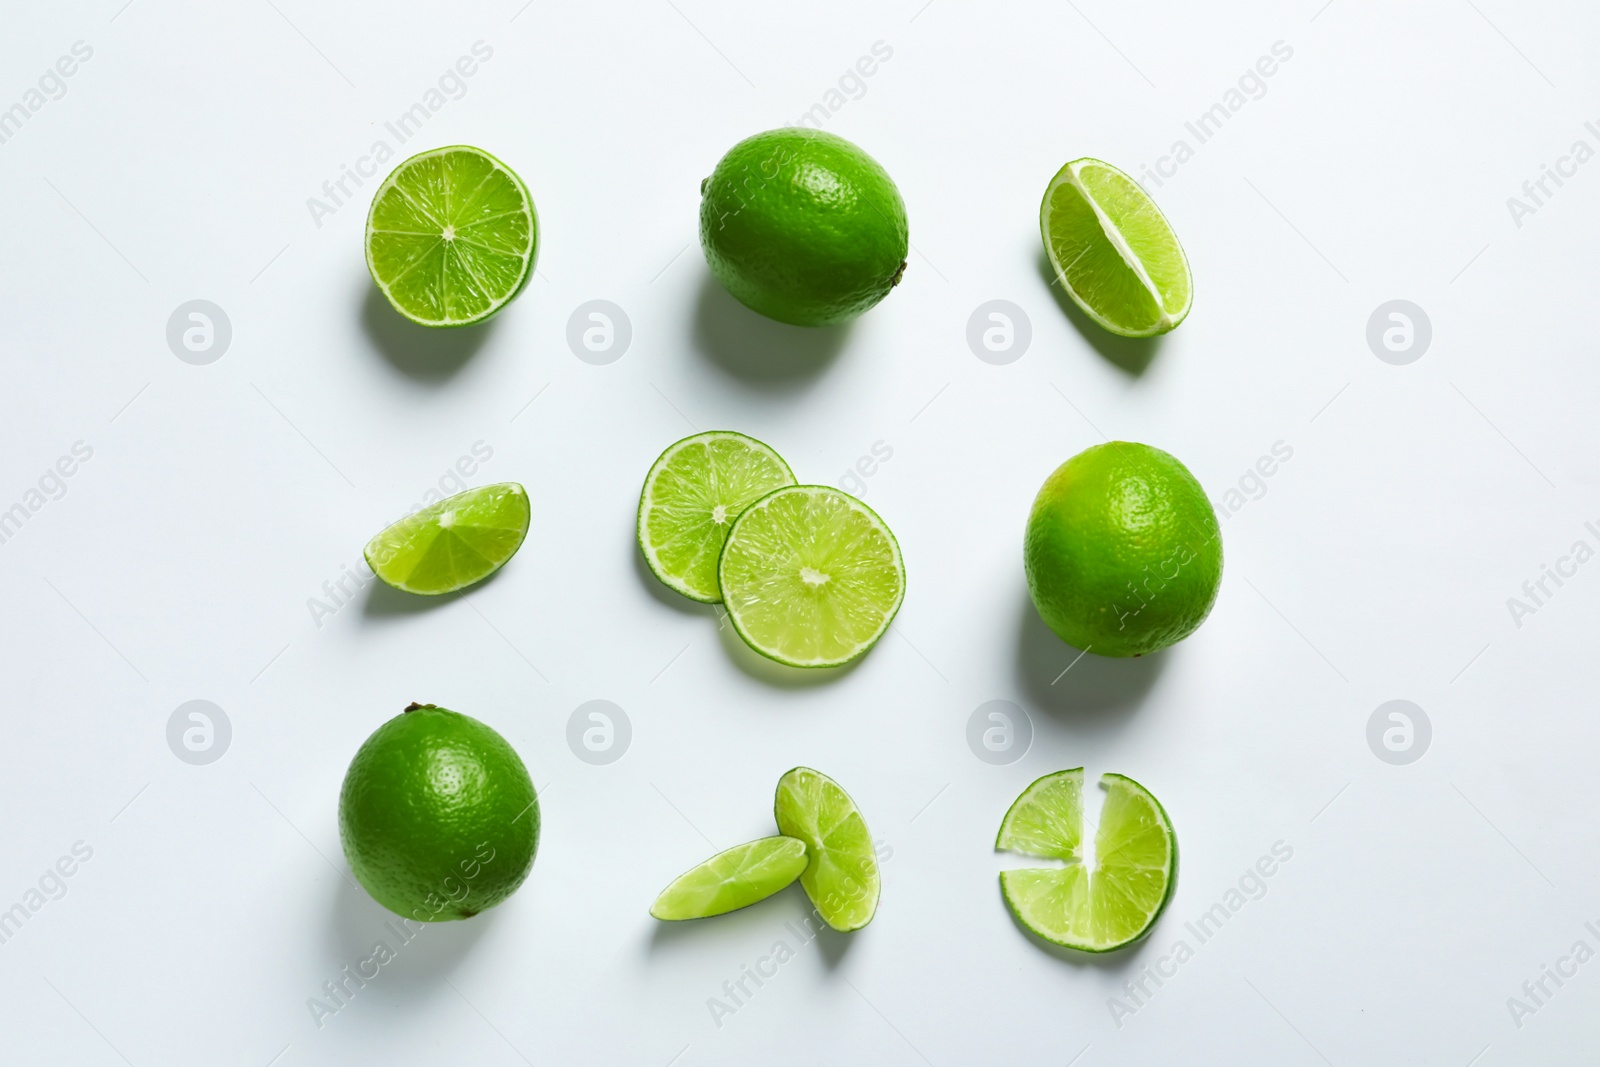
452, 544
1114, 251
811, 576
691, 497
1112, 899
451, 236
841, 875
732, 879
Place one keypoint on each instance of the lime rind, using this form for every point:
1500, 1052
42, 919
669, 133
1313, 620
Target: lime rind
841, 875
454, 543
483, 255
782, 599
1114, 903
671, 534
732, 879
1155, 280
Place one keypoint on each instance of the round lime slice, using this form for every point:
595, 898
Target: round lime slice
841, 875
451, 237
690, 498
1113, 898
733, 879
450, 545
811, 576
1113, 250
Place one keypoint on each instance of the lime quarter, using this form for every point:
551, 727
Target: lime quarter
733, 879
841, 875
1113, 251
452, 544
451, 237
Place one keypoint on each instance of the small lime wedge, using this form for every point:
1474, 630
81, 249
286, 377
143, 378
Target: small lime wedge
732, 879
452, 544
1114, 899
694, 491
811, 576
452, 236
1114, 251
841, 875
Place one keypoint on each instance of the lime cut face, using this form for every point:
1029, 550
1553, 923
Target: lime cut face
451, 237
691, 497
437, 815
452, 544
841, 875
1114, 899
733, 879
811, 576
803, 227
1113, 251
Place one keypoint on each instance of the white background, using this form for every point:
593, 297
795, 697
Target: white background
179, 563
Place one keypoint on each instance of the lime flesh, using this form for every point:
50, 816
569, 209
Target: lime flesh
452, 544
811, 577
736, 878
437, 815
1095, 906
841, 875
803, 227
1113, 250
451, 236
692, 495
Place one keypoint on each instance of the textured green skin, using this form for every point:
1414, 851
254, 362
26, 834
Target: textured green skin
438, 816
1123, 552
803, 227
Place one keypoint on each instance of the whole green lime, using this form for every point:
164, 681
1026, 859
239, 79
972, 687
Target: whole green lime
1123, 552
803, 226
438, 816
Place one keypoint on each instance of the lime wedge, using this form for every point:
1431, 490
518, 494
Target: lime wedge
451, 237
1113, 251
811, 576
450, 545
841, 877
733, 879
690, 498
1106, 903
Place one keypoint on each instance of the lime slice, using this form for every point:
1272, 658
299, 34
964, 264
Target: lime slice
1113, 250
690, 498
1110, 901
451, 237
733, 879
841, 877
811, 576
449, 545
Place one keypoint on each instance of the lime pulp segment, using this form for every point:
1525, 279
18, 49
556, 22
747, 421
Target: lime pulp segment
1107, 903
1114, 251
452, 544
451, 236
811, 576
691, 497
733, 879
841, 875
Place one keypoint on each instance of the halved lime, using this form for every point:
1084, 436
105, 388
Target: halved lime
841, 875
452, 236
1113, 899
732, 879
1113, 250
450, 545
811, 576
691, 496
